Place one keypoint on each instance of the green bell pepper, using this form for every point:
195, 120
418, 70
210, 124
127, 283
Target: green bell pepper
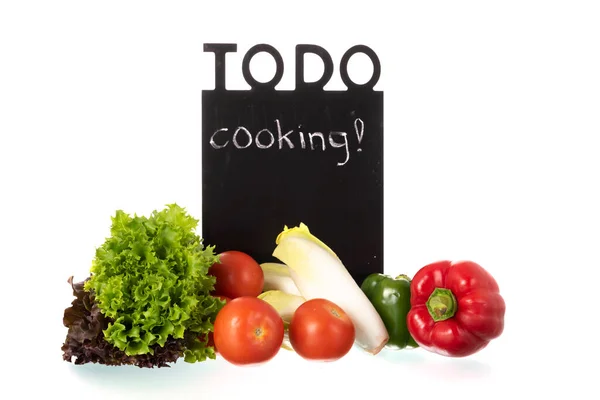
391, 298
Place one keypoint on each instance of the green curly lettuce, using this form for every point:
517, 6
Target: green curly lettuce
85, 341
150, 279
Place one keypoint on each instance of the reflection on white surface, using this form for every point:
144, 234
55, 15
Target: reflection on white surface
441, 368
357, 373
132, 379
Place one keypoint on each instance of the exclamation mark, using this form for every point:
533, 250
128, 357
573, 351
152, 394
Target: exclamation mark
359, 128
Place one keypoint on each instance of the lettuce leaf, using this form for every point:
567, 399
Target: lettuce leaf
150, 281
85, 338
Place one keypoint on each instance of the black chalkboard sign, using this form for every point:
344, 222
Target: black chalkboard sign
281, 157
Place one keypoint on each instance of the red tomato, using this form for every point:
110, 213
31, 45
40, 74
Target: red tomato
237, 275
321, 330
248, 330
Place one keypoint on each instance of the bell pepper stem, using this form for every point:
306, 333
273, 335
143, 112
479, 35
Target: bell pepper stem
441, 304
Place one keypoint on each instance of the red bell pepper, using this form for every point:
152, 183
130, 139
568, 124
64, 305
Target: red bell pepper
456, 308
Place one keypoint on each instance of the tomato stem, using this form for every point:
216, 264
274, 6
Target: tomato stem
441, 304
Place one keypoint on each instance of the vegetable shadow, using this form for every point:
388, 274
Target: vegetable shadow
436, 366
131, 378
460, 369
405, 356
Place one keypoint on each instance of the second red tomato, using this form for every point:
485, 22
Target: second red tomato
321, 330
237, 275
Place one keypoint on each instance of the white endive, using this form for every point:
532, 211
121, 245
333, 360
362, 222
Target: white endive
277, 277
286, 305
319, 273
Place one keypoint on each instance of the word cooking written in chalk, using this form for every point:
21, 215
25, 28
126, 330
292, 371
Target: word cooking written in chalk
264, 139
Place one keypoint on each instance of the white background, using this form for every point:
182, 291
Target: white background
491, 154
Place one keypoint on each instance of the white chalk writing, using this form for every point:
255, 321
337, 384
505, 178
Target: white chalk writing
337, 145
212, 139
265, 139
319, 135
265, 146
248, 134
282, 137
